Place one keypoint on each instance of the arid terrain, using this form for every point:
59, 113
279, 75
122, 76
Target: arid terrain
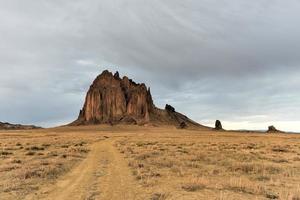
136, 162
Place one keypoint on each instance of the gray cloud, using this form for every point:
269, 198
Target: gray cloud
234, 60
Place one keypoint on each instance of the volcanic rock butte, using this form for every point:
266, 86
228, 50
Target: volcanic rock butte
113, 100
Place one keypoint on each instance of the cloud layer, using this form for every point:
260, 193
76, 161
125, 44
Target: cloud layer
237, 61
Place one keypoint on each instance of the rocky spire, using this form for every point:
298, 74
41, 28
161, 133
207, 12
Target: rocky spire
218, 125
111, 99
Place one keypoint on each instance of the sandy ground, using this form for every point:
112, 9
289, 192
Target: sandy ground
103, 168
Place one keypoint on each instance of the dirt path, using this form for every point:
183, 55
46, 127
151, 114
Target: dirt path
104, 175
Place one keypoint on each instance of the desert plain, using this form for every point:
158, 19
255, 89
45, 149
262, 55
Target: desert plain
144, 162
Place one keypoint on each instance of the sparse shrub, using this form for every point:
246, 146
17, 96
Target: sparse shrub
183, 151
84, 150
54, 154
281, 160
35, 148
263, 178
251, 146
163, 163
138, 175
45, 163
215, 172
296, 197
254, 168
46, 145
5, 153
245, 186
143, 156
159, 196
30, 153
80, 144
199, 157
31, 174
193, 187
280, 149
53, 172
271, 195
16, 161
296, 159
140, 165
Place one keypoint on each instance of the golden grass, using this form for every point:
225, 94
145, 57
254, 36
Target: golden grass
27, 161
168, 163
216, 165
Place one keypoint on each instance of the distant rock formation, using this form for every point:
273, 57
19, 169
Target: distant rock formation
218, 125
8, 126
113, 100
272, 129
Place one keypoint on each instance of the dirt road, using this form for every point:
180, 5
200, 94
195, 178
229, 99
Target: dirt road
104, 175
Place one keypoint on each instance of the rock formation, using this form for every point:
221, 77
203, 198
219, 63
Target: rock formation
218, 125
8, 126
169, 108
272, 129
113, 100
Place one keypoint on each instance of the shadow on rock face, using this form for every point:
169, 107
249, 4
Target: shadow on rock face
182, 125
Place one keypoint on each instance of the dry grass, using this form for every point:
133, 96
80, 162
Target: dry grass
27, 161
216, 165
168, 163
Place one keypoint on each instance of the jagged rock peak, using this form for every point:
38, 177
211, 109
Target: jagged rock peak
111, 99
169, 108
116, 75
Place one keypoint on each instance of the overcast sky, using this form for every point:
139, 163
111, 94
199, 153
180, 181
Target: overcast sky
233, 60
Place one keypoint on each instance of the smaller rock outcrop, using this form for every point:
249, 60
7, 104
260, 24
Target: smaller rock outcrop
169, 108
272, 129
218, 125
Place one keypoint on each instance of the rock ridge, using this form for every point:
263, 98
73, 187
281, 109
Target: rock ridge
8, 126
